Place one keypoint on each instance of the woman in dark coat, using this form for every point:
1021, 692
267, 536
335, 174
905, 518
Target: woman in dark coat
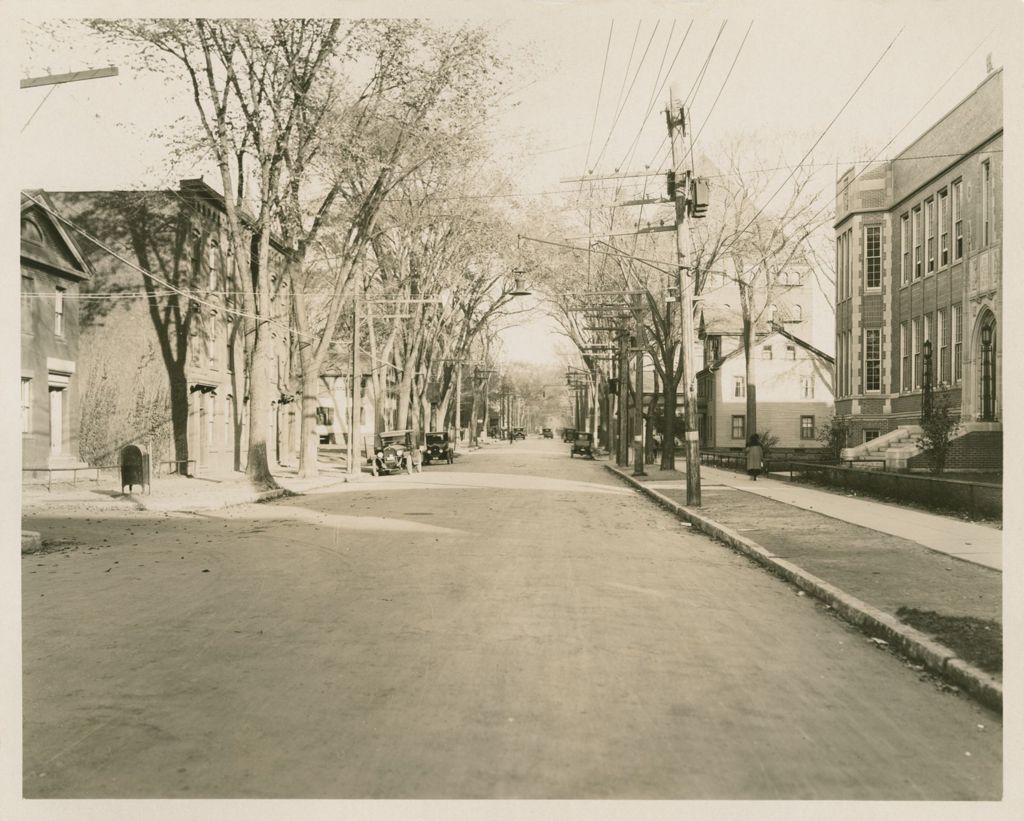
755, 456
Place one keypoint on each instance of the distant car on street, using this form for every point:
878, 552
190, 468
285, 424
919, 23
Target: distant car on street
583, 444
391, 453
547, 434
518, 433
568, 434
439, 448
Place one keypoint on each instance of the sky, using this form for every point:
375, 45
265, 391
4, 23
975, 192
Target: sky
589, 81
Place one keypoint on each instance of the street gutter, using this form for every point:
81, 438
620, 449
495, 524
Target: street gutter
912, 643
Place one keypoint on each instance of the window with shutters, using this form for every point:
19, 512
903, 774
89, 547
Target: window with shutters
739, 387
807, 427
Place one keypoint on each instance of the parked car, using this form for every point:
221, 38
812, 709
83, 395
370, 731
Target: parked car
518, 433
392, 452
583, 444
568, 434
547, 434
439, 448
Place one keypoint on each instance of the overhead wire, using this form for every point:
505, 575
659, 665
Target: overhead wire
820, 137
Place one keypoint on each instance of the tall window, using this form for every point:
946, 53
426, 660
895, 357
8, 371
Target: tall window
766, 351
915, 341
791, 352
873, 256
986, 202
27, 304
905, 384
942, 332
929, 233
917, 242
807, 387
58, 312
839, 390
943, 227
957, 340
873, 359
26, 405
739, 427
739, 387
905, 248
849, 362
958, 221
926, 334
806, 427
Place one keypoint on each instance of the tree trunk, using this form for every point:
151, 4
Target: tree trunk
308, 439
750, 376
258, 467
179, 416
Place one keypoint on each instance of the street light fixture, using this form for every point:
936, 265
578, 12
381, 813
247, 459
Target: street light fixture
519, 283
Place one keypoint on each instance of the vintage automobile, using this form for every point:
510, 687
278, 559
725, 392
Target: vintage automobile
391, 452
547, 434
568, 434
518, 433
583, 444
439, 448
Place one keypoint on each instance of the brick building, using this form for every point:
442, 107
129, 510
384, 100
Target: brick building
53, 269
919, 279
160, 369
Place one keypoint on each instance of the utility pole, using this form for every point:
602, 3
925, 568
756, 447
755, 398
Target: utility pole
353, 412
638, 405
622, 455
458, 404
684, 200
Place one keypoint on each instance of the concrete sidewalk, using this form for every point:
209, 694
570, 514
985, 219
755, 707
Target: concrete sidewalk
979, 543
177, 493
864, 559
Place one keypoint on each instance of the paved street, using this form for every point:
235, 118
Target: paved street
516, 625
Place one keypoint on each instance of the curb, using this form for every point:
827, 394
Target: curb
912, 643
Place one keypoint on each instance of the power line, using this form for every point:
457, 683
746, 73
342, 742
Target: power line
707, 60
597, 105
657, 92
720, 90
820, 137
618, 114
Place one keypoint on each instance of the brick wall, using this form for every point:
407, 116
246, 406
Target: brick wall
979, 450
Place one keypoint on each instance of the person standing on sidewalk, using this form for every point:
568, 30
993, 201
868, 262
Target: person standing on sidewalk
755, 456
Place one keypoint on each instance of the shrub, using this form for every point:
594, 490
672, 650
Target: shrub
937, 430
835, 435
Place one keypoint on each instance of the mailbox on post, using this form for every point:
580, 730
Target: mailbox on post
134, 468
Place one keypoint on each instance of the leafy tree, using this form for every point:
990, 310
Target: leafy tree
835, 435
937, 431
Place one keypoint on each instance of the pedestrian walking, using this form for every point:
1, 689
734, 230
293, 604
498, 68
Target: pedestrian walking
755, 456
